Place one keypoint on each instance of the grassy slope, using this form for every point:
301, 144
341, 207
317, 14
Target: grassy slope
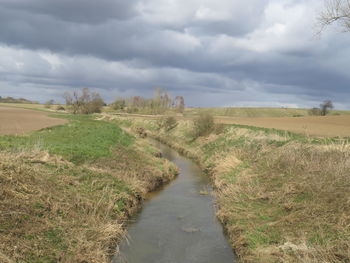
67, 190
282, 197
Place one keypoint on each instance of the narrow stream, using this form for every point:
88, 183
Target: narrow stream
177, 224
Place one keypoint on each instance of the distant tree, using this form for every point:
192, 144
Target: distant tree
336, 11
84, 103
179, 103
49, 104
315, 112
325, 107
159, 104
119, 104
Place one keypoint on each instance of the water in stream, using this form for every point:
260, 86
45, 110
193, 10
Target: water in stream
177, 224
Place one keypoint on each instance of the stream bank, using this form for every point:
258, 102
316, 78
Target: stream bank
178, 223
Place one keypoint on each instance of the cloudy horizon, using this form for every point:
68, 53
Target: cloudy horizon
214, 53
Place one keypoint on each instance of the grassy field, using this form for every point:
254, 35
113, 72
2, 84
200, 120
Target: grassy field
323, 126
256, 112
282, 197
66, 191
26, 106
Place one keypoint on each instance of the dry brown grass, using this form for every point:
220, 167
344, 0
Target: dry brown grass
280, 197
54, 211
326, 126
319, 126
290, 205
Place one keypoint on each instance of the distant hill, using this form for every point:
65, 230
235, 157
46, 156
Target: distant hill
14, 100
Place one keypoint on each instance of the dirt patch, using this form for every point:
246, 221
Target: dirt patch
16, 121
329, 126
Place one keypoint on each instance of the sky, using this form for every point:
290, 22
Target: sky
215, 53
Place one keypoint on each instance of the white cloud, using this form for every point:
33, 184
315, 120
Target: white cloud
231, 52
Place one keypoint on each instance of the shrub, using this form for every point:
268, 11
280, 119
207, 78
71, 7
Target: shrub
315, 112
84, 103
167, 123
119, 104
48, 104
59, 107
203, 125
219, 128
141, 132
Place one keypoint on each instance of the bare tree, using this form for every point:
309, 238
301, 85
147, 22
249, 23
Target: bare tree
49, 103
325, 106
68, 98
336, 11
85, 103
179, 103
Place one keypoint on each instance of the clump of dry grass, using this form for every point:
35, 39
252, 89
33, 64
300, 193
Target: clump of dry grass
291, 204
55, 211
49, 215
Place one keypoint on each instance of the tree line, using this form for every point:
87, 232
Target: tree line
160, 103
86, 102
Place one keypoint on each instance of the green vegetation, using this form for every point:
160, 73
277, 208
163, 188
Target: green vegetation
14, 100
66, 191
282, 197
81, 140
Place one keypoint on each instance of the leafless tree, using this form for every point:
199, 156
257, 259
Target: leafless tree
336, 11
85, 103
179, 103
325, 106
49, 103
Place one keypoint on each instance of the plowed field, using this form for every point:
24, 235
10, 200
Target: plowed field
328, 126
19, 121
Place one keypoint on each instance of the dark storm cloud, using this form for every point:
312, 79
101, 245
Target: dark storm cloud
80, 11
253, 50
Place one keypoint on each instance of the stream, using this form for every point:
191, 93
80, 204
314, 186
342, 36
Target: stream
177, 224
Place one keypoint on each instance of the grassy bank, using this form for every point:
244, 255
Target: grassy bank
281, 197
67, 191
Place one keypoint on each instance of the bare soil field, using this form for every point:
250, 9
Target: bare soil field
328, 126
19, 121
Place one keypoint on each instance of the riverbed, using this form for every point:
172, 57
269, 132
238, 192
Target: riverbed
177, 224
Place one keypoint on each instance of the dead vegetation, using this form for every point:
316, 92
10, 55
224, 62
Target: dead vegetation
281, 197
52, 210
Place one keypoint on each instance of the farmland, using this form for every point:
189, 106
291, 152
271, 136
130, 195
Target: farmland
325, 126
67, 190
19, 121
281, 183
282, 197
257, 112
